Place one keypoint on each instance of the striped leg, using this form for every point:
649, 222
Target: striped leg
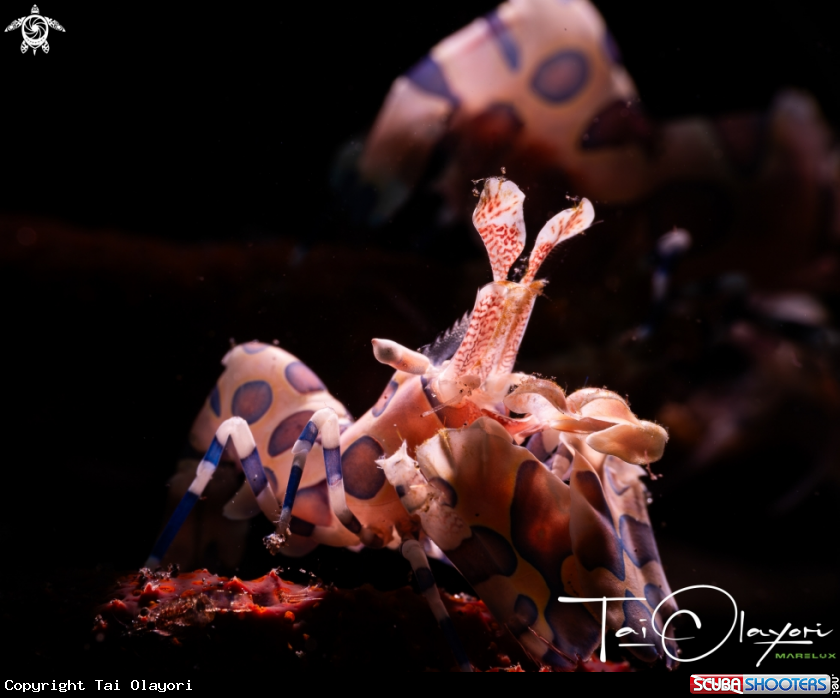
413, 552
325, 422
670, 248
234, 431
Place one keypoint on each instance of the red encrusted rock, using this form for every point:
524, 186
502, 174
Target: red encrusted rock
201, 617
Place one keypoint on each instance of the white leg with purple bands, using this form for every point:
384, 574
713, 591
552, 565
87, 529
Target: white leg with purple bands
236, 432
416, 556
325, 423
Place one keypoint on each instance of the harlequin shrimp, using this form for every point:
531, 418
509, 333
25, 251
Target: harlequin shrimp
535, 84
540, 86
437, 465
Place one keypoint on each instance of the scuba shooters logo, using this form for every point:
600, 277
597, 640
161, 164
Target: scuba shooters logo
788, 684
773, 639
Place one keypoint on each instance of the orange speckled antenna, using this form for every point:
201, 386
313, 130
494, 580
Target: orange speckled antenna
563, 226
498, 219
503, 308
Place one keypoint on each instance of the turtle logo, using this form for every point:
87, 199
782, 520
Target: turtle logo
35, 28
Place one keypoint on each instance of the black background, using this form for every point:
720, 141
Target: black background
192, 126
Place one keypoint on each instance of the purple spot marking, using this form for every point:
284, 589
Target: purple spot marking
561, 462
484, 554
362, 477
524, 615
215, 401
450, 496
611, 46
318, 493
576, 632
300, 527
251, 400
613, 486
654, 596
504, 39
539, 527
554, 658
302, 378
597, 544
287, 432
561, 76
535, 445
589, 486
634, 613
254, 347
314, 503
637, 539
428, 76
385, 399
